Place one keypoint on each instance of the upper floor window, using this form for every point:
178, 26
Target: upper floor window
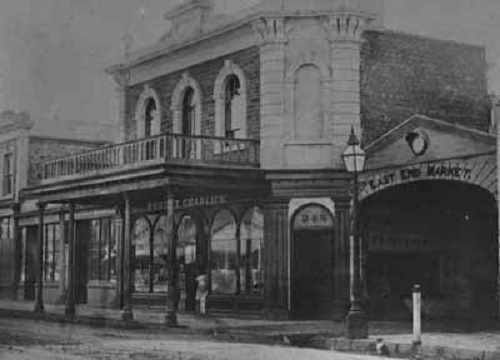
232, 114
230, 102
188, 112
148, 117
8, 174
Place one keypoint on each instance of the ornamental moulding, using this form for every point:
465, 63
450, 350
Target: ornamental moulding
345, 26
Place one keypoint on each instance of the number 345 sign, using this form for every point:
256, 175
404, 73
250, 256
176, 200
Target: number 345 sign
313, 217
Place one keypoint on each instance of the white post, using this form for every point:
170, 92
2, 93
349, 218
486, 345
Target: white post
417, 303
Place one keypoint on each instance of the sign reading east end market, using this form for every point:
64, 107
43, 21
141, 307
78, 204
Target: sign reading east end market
313, 217
448, 171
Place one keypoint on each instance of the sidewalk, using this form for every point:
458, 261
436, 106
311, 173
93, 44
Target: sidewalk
439, 342
155, 320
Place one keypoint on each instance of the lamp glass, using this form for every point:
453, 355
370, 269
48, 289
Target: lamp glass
354, 158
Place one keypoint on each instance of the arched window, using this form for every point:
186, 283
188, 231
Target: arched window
251, 250
223, 254
149, 117
188, 112
232, 102
150, 255
230, 95
308, 109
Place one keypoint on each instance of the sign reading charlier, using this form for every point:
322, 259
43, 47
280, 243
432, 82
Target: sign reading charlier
450, 170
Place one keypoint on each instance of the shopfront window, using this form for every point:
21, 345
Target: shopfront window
160, 256
51, 253
251, 249
103, 250
150, 255
224, 253
6, 248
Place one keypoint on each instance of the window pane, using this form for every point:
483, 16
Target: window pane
113, 257
251, 248
223, 253
142, 257
160, 257
49, 252
23, 254
94, 250
57, 257
104, 253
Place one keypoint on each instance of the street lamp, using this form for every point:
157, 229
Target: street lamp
354, 160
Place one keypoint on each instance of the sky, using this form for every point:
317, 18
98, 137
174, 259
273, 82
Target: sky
52, 52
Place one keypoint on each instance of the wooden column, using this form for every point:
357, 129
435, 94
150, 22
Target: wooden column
39, 308
173, 290
119, 268
276, 262
62, 260
70, 298
18, 248
127, 314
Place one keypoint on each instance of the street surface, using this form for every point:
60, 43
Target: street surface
22, 339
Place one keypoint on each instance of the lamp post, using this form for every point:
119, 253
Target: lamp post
354, 160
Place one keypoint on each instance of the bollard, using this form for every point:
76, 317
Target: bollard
417, 311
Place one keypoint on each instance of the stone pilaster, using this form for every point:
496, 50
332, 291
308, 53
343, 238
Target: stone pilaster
122, 79
344, 32
272, 71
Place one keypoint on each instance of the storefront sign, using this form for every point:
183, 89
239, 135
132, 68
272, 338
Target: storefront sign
436, 171
209, 200
313, 217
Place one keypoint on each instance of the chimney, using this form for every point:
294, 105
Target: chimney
190, 17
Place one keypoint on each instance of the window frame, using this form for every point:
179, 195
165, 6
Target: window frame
52, 268
108, 274
229, 70
8, 174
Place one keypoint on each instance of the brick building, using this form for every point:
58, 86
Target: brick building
22, 150
229, 165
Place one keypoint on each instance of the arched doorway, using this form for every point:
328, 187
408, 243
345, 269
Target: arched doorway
312, 263
436, 233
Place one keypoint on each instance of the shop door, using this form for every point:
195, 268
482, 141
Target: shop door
312, 280
82, 234
31, 262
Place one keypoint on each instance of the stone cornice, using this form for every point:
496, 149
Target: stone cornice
347, 27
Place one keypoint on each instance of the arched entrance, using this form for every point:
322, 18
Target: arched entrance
311, 262
437, 233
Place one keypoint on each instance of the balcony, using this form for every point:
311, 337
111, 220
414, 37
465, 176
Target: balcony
162, 149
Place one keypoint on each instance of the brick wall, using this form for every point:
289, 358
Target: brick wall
42, 149
205, 74
404, 74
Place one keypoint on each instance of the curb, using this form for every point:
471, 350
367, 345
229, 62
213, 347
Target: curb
410, 351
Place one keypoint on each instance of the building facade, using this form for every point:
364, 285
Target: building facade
229, 167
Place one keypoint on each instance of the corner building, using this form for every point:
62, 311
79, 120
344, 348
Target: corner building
229, 165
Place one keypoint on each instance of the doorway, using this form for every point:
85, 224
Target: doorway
312, 264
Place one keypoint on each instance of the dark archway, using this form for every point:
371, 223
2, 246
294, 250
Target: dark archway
312, 267
439, 234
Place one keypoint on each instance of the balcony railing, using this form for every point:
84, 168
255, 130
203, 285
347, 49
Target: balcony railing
153, 150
